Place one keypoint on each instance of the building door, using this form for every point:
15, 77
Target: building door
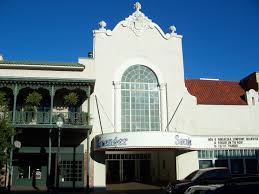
128, 168
128, 174
144, 169
113, 171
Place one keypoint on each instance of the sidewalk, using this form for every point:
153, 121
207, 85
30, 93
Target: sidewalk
123, 188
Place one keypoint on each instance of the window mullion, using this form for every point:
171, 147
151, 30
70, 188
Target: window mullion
159, 109
130, 115
149, 112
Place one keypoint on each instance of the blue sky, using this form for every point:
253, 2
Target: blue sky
220, 37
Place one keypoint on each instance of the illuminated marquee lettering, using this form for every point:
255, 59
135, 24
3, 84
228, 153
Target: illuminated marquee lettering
111, 142
182, 141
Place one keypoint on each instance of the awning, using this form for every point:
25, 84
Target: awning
140, 140
162, 140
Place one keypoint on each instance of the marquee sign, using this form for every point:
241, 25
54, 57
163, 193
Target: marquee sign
158, 139
154, 139
226, 142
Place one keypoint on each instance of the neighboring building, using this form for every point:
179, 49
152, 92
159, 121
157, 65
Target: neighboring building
36, 128
147, 123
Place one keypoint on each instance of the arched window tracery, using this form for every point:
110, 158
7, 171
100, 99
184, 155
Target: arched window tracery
140, 110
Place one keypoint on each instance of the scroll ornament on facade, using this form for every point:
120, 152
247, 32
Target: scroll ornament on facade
138, 22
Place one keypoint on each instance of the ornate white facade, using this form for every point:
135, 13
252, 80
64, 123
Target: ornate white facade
156, 126
185, 125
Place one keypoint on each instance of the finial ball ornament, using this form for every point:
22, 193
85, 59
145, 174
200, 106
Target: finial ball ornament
102, 24
172, 29
137, 6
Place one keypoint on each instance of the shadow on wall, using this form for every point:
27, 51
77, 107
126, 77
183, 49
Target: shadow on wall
97, 156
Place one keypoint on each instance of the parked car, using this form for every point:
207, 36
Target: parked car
203, 189
207, 176
239, 185
235, 185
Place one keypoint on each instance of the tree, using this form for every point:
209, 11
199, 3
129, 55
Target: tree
6, 130
33, 100
3, 102
71, 100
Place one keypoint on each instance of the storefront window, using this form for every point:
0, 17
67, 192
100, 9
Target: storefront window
205, 164
221, 163
237, 166
251, 166
239, 161
71, 170
23, 172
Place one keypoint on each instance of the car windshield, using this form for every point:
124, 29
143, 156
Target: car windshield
190, 176
194, 175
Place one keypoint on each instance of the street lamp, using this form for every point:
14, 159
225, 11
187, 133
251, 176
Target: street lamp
59, 124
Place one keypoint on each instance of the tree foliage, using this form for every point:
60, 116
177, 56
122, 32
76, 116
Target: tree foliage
6, 130
3, 101
71, 99
33, 100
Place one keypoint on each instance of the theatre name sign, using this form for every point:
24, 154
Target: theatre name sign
165, 140
137, 140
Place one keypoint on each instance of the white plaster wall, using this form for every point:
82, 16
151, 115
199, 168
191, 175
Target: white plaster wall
186, 163
115, 53
169, 172
225, 120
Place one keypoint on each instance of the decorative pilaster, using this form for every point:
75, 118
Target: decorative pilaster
88, 103
88, 141
163, 106
117, 88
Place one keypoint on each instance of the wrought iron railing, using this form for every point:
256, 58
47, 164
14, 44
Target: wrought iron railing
71, 118
44, 117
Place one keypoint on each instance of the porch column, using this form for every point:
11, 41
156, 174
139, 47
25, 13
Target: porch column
88, 141
50, 132
52, 93
117, 105
15, 93
163, 107
49, 159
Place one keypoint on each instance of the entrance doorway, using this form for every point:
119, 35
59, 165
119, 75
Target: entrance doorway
128, 168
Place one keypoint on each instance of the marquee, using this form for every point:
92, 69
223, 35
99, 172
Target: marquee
158, 140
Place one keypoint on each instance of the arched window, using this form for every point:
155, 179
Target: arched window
139, 100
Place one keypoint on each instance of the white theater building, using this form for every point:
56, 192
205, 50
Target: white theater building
148, 123
157, 126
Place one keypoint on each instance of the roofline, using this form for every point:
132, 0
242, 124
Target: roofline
37, 65
198, 79
46, 79
42, 67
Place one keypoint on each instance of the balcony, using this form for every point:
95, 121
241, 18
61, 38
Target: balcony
30, 118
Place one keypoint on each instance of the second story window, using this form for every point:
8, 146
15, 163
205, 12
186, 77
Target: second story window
139, 100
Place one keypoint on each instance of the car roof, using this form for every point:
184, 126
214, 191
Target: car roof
213, 168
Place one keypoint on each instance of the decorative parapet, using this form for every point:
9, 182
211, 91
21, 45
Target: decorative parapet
138, 23
252, 97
